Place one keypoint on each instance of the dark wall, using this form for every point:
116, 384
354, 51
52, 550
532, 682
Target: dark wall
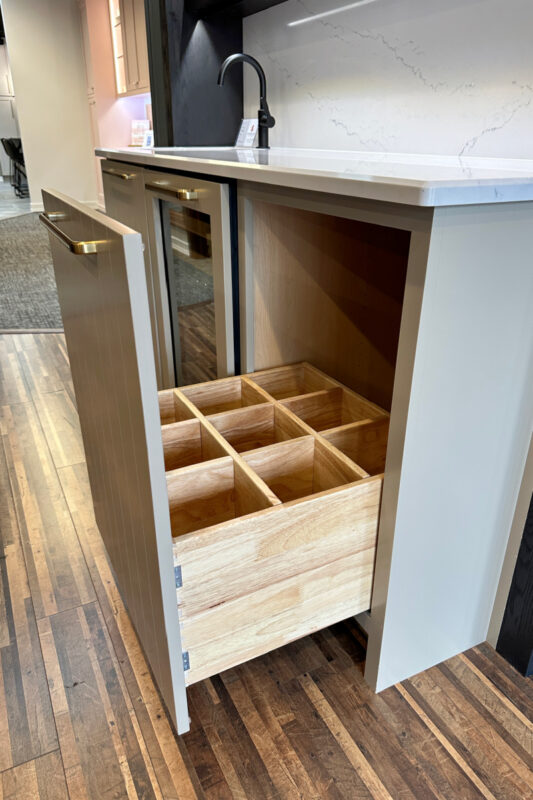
515, 642
187, 42
203, 112
185, 54
242, 7
160, 73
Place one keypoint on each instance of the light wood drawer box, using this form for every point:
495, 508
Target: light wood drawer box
274, 478
274, 482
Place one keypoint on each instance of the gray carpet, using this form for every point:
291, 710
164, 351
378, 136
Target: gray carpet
28, 295
193, 283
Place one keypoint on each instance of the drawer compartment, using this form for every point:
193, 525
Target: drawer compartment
331, 408
172, 408
365, 443
206, 494
257, 426
293, 380
222, 395
188, 442
301, 468
276, 538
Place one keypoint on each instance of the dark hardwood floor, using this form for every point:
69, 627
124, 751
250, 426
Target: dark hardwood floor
81, 718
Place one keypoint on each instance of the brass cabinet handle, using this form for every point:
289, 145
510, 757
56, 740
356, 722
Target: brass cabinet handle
181, 194
125, 176
187, 194
76, 247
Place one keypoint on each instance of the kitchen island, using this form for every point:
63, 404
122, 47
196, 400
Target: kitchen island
409, 280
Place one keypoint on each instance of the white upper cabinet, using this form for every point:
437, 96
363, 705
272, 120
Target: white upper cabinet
128, 29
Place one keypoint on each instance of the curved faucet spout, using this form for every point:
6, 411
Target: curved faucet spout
235, 59
264, 118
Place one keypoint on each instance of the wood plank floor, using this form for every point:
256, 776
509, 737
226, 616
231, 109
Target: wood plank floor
198, 343
81, 718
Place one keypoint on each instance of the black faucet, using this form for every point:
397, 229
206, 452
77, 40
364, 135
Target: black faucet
264, 118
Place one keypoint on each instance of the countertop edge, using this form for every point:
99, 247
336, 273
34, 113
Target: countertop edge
424, 194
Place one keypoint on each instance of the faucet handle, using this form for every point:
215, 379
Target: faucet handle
265, 118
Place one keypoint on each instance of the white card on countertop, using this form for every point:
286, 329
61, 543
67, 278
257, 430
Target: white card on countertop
247, 133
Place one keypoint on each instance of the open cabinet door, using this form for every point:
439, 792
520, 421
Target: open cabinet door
101, 283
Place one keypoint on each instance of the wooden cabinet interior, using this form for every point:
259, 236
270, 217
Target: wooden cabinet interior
274, 519
329, 291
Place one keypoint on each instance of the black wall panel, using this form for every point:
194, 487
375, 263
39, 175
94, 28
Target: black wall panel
241, 7
189, 108
203, 112
515, 642
160, 72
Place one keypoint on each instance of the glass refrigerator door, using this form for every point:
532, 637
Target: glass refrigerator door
189, 263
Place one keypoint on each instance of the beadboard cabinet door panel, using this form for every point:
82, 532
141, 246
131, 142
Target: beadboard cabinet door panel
104, 305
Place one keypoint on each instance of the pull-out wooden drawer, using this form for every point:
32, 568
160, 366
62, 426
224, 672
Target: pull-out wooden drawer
274, 482
273, 479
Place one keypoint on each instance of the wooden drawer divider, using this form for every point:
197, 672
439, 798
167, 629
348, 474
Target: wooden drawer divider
274, 518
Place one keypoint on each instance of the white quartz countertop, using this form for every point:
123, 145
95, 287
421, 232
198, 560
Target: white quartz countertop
419, 180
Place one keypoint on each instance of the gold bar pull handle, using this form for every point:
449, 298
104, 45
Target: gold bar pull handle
125, 176
181, 194
76, 247
187, 194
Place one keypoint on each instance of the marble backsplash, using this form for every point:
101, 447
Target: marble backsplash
414, 76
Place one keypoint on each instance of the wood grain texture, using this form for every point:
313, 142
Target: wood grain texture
26, 725
172, 408
298, 722
331, 408
225, 394
256, 426
153, 730
301, 489
92, 709
365, 443
13, 387
328, 290
254, 623
204, 495
292, 380
59, 419
198, 350
276, 546
40, 779
45, 365
188, 442
128, 683
54, 560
